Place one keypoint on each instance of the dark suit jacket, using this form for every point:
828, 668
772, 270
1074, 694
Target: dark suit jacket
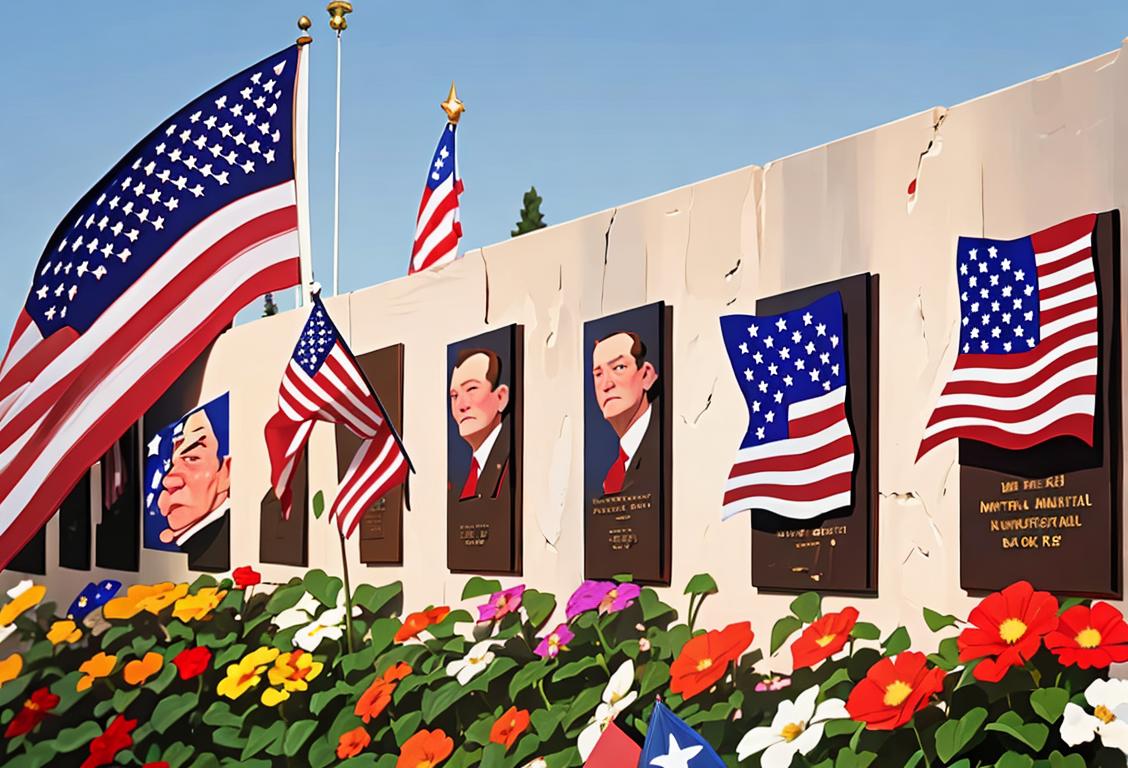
209, 549
644, 473
492, 507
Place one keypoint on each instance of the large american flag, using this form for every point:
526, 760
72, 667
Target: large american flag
322, 382
437, 228
797, 457
195, 222
1026, 370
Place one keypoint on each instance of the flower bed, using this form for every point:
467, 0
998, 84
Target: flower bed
219, 673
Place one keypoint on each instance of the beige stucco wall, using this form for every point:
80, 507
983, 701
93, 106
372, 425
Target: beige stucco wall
1007, 164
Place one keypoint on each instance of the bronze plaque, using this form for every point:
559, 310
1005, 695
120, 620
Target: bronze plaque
485, 376
833, 551
627, 452
286, 541
1050, 513
381, 527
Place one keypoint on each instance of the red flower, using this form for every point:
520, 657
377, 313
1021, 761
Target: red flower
246, 576
417, 622
893, 691
352, 743
379, 694
192, 662
159, 764
104, 748
1008, 629
1090, 637
509, 726
425, 749
35, 709
823, 638
705, 659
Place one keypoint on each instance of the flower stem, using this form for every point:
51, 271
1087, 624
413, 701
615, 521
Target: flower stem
348, 594
606, 655
540, 690
920, 741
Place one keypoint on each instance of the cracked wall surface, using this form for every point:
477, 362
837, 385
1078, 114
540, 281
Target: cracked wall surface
1003, 166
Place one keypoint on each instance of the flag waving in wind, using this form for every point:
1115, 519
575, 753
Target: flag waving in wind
1026, 370
196, 221
797, 458
670, 743
323, 382
437, 226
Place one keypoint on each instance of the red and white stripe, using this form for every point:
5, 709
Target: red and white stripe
65, 399
1019, 400
338, 393
437, 225
803, 476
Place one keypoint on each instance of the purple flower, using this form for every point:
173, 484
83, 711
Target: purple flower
501, 603
551, 644
607, 596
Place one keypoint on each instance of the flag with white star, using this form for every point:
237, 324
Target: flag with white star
797, 457
670, 743
1026, 370
437, 225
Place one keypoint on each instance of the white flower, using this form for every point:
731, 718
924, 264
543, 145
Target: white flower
301, 613
473, 663
796, 728
20, 588
327, 625
6, 631
617, 696
1109, 699
536, 762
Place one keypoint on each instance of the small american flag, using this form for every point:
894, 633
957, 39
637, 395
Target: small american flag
797, 458
437, 228
1026, 370
323, 382
195, 222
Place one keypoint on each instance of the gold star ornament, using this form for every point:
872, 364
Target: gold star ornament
453, 106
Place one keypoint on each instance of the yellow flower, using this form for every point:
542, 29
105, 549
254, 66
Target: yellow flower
24, 595
138, 671
291, 672
98, 665
198, 606
65, 631
247, 673
142, 597
10, 668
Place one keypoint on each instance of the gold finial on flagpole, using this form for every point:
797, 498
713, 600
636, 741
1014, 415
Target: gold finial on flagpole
304, 24
452, 106
338, 9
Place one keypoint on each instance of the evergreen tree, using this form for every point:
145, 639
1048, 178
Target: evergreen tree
268, 306
531, 217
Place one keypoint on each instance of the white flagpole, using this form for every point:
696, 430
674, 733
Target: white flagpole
301, 163
338, 23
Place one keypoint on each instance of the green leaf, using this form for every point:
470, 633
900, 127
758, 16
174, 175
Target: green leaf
1058, 760
655, 674
323, 586
842, 728
123, 698
1049, 703
574, 668
701, 584
948, 657
538, 606
372, 598
219, 715
176, 754
170, 709
544, 721
229, 737
652, 607
284, 597
229, 654
1068, 603
848, 758
297, 735
897, 641
954, 735
528, 675
405, 726
261, 738
70, 739
1032, 735
840, 675
863, 630
477, 586
783, 629
1014, 760
915, 760
806, 607
938, 621
318, 504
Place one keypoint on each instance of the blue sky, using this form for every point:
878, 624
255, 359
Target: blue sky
595, 104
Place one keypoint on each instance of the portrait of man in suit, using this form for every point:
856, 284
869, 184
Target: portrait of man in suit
625, 387
478, 402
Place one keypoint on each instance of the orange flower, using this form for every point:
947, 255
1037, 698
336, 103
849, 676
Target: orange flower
705, 659
10, 668
138, 671
893, 691
24, 595
379, 694
98, 665
199, 606
417, 622
509, 726
823, 638
352, 743
425, 749
142, 597
65, 631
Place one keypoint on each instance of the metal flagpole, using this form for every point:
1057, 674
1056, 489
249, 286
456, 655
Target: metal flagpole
301, 163
337, 9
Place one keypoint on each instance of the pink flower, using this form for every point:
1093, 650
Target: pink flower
607, 596
773, 684
501, 604
551, 644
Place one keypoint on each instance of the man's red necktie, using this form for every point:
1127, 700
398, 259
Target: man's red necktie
470, 488
613, 483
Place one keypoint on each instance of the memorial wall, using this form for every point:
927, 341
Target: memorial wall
493, 369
